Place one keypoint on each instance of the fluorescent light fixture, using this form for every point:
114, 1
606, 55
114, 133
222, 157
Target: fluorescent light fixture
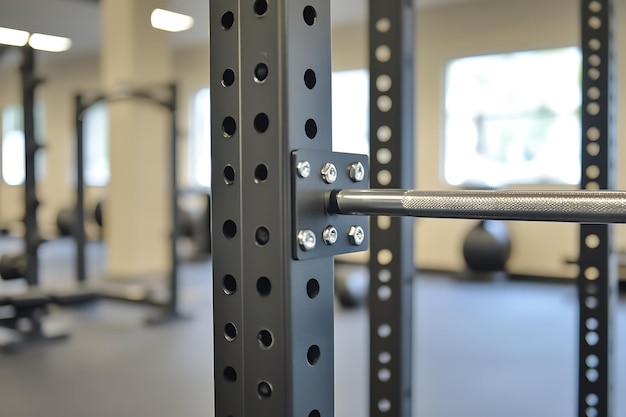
170, 21
13, 37
49, 43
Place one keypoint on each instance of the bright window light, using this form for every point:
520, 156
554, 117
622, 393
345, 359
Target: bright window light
49, 43
170, 21
200, 139
350, 97
513, 118
13, 37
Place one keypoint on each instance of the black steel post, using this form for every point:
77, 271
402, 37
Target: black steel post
597, 279
392, 268
79, 210
32, 238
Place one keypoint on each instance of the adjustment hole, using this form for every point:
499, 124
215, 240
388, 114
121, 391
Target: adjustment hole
593, 134
314, 413
383, 53
594, 74
383, 83
230, 284
262, 236
592, 273
593, 149
260, 173
592, 338
592, 185
383, 25
383, 222
384, 293
595, 44
228, 77
594, 22
312, 288
384, 375
228, 19
384, 156
310, 15
591, 412
593, 109
260, 7
591, 303
383, 134
229, 229
384, 257
384, 275
230, 374
592, 375
592, 361
594, 60
384, 331
593, 93
229, 127
264, 286
261, 72
592, 400
384, 405
591, 288
592, 241
230, 332
592, 172
310, 128
264, 390
310, 79
229, 175
313, 355
384, 358
592, 323
384, 103
261, 122
384, 177
265, 339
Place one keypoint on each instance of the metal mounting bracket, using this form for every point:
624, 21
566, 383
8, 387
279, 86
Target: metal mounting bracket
315, 232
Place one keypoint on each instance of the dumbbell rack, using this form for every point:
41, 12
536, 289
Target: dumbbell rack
273, 323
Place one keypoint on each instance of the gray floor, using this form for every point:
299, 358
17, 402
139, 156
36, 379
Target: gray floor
481, 349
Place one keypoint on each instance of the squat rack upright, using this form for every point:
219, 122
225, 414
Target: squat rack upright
275, 181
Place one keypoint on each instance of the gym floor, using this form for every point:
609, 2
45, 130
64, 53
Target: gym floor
498, 348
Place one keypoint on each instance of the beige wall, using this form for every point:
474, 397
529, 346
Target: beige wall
443, 34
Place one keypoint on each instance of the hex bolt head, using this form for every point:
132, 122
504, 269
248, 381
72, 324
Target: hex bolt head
357, 172
329, 173
356, 235
306, 240
304, 169
330, 235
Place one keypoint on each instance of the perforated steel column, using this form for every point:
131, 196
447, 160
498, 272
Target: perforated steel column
273, 315
597, 281
391, 243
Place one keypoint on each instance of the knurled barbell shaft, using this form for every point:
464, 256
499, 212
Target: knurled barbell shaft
550, 206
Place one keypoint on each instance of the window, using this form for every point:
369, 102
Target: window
351, 111
96, 145
513, 119
200, 139
13, 153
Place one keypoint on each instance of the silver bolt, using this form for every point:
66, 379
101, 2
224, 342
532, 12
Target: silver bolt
329, 173
357, 172
306, 240
356, 235
330, 235
304, 169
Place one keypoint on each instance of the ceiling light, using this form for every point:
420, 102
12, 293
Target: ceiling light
13, 37
49, 43
170, 21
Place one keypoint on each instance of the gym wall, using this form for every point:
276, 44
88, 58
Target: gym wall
444, 33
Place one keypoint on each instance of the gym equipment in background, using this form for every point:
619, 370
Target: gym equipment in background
487, 246
140, 291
